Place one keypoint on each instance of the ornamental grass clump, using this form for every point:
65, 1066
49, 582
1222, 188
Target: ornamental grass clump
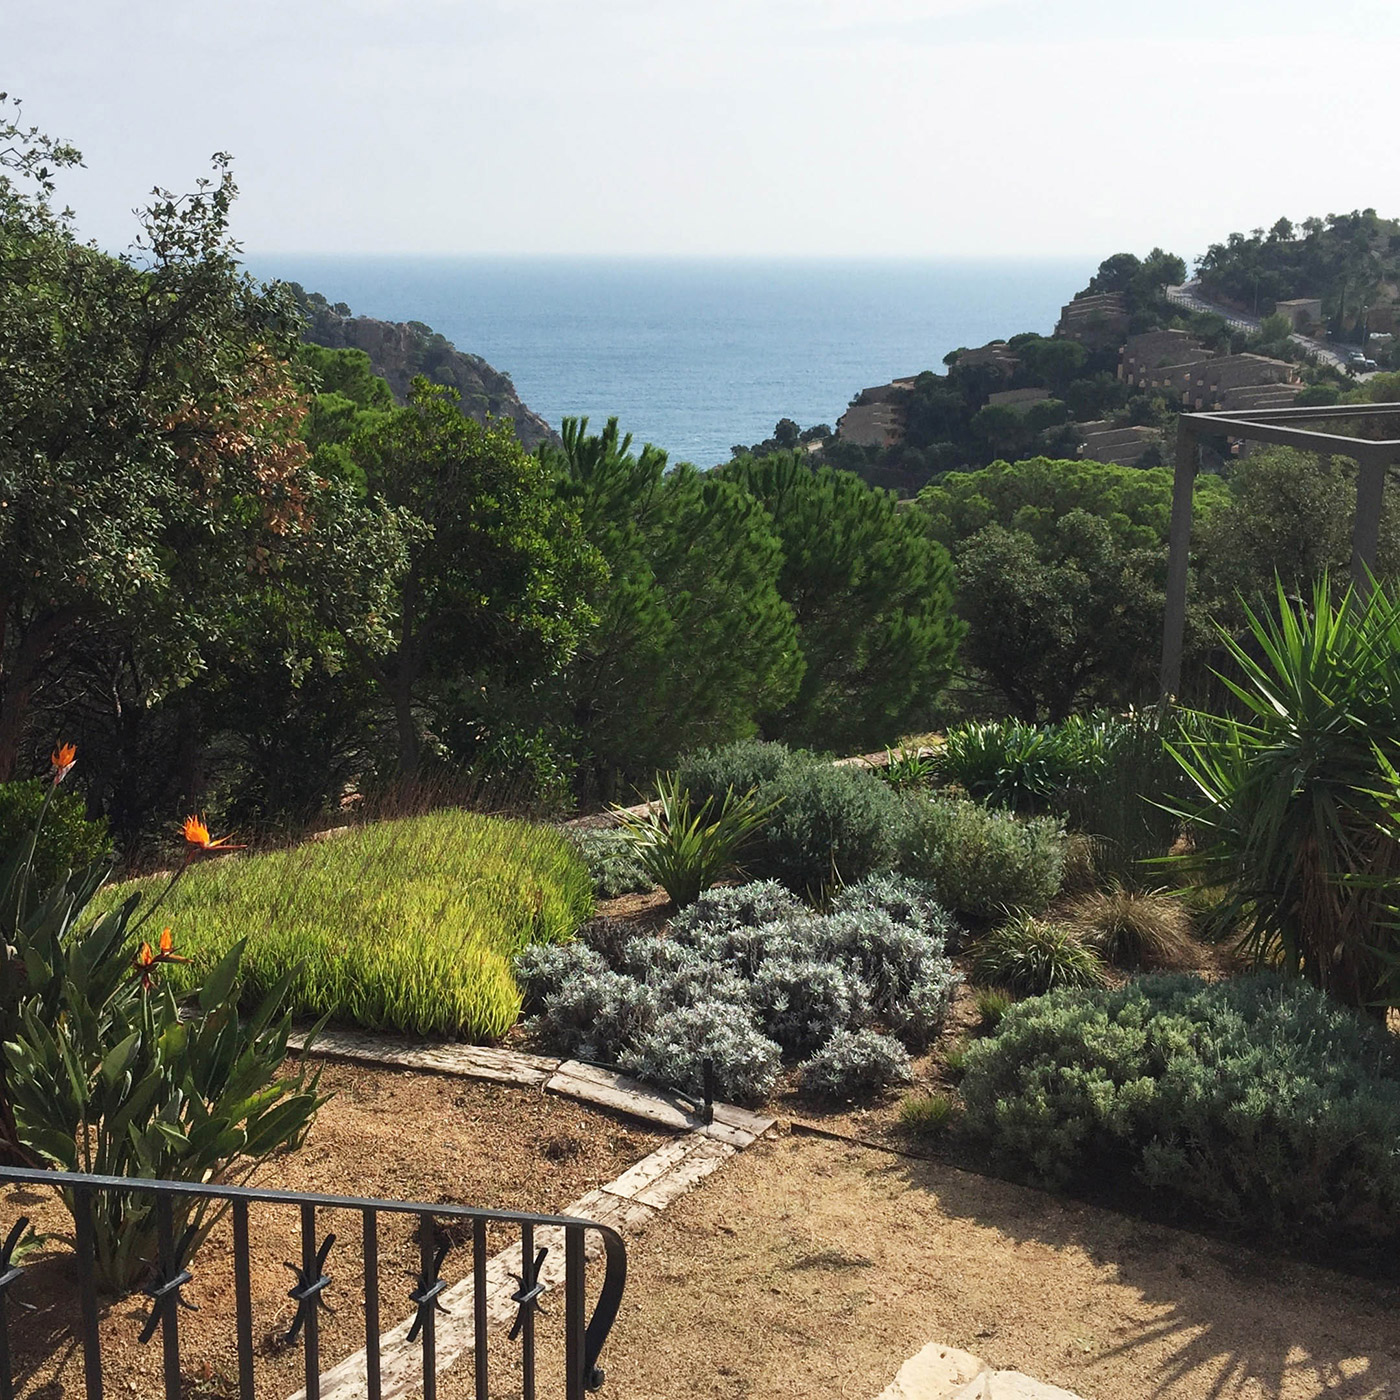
1256, 1102
407, 925
1029, 956
107, 1071
925, 1115
1132, 928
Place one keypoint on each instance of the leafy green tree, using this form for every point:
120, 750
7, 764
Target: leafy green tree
1061, 569
1064, 623
872, 596
1285, 515
151, 469
693, 639
1032, 496
1000, 432
1050, 361
497, 566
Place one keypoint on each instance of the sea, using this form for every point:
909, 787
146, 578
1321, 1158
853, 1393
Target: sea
697, 355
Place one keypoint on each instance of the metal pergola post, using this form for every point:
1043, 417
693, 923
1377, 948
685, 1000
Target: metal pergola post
1283, 427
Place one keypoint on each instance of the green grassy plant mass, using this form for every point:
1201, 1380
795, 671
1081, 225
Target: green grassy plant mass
403, 925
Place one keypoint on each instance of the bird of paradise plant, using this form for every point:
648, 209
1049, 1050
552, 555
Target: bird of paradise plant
105, 1071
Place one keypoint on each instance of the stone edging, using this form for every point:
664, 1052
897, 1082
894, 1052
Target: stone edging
628, 1203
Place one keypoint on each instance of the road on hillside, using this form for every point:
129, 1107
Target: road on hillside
1189, 296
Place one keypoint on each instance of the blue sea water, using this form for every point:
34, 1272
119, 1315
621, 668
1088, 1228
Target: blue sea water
697, 355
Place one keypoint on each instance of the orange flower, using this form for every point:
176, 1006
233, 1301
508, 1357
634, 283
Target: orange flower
197, 842
147, 960
61, 760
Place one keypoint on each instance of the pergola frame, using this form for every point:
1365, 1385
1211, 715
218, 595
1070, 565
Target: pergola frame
1282, 426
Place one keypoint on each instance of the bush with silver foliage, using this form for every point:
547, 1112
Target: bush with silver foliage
856, 1065
750, 976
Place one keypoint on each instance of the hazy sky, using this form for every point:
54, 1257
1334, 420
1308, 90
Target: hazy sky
765, 127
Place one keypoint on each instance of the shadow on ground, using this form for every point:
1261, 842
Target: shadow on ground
1223, 1315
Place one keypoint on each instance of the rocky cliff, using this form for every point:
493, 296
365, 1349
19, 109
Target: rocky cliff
399, 350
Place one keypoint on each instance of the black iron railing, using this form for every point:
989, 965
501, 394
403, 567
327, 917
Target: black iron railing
583, 1336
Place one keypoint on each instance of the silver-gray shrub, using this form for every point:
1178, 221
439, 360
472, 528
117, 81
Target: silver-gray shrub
801, 1002
672, 1052
745, 950
856, 1065
542, 969
910, 978
595, 1014
682, 976
738, 906
906, 901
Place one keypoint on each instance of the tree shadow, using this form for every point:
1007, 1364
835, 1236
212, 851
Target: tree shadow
1224, 1310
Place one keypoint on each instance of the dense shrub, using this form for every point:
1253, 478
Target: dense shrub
1255, 1102
739, 906
682, 976
673, 1051
834, 825
1029, 956
910, 979
66, 841
981, 862
856, 1065
741, 766
801, 1002
1106, 776
612, 863
794, 978
1027, 767
541, 969
595, 1013
906, 901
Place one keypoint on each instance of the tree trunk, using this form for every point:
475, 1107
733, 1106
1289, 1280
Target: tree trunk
403, 719
17, 685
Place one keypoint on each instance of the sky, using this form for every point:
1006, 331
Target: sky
752, 128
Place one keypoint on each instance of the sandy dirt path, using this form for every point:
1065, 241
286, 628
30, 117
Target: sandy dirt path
810, 1268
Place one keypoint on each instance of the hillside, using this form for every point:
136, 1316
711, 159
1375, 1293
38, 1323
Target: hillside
1349, 262
398, 350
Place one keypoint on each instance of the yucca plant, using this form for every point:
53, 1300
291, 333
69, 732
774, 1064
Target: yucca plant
686, 850
1299, 793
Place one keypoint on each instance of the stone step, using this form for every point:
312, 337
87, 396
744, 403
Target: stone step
944, 1373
